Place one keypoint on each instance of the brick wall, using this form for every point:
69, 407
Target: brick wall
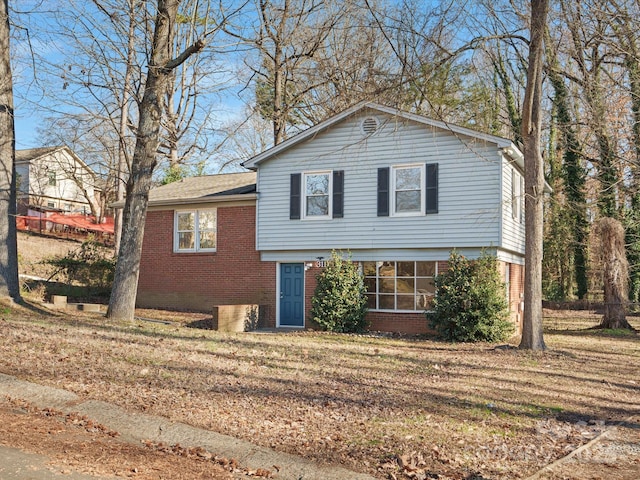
233, 275
310, 284
409, 323
516, 294
516, 291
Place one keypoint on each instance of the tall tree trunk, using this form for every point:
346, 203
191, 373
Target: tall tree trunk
9, 284
123, 169
125, 284
614, 273
534, 181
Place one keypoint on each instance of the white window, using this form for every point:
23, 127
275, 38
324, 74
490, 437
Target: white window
195, 231
407, 183
316, 194
400, 286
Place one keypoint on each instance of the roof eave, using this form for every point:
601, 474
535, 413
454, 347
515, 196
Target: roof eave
503, 143
518, 158
195, 200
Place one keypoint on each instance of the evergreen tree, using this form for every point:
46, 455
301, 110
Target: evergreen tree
470, 303
339, 303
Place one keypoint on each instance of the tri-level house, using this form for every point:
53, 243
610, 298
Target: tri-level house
395, 191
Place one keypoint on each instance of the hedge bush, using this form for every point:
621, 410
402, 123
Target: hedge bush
90, 265
339, 303
470, 303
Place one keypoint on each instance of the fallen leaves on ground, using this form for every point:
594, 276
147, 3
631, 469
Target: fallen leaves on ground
391, 406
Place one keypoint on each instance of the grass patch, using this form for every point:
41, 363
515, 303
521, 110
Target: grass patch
357, 400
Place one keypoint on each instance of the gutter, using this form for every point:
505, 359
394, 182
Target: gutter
195, 200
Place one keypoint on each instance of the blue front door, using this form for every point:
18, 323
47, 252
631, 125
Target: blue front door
292, 294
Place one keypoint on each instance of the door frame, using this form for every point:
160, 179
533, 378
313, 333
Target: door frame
278, 273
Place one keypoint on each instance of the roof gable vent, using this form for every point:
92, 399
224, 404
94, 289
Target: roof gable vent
370, 125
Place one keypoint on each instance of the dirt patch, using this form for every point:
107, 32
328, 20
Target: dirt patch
391, 407
615, 455
77, 444
33, 249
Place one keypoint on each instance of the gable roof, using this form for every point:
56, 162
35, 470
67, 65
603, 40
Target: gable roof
29, 154
203, 189
507, 145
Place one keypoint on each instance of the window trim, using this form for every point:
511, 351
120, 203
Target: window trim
304, 196
196, 231
392, 190
517, 196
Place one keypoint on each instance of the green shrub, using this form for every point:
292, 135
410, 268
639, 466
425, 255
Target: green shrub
339, 303
90, 265
470, 303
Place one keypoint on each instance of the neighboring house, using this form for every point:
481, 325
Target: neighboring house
397, 191
54, 179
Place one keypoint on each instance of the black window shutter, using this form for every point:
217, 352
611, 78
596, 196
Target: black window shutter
431, 190
294, 197
338, 193
383, 192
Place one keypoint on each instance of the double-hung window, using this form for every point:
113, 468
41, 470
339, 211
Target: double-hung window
405, 190
317, 194
517, 196
195, 230
407, 183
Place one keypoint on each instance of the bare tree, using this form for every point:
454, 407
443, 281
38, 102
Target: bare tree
104, 45
9, 285
123, 293
287, 35
534, 180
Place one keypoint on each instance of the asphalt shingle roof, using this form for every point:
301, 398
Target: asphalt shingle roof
208, 187
32, 153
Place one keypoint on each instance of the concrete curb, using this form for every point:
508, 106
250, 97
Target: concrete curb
137, 427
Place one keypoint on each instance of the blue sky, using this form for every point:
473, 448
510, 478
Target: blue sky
34, 37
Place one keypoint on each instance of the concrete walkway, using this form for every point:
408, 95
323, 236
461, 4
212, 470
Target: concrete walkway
137, 427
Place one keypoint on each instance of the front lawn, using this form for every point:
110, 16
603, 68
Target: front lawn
379, 404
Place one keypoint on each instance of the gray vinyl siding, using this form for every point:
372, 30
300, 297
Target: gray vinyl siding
470, 195
512, 229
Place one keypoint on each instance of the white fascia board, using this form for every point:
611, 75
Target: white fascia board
194, 201
502, 143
